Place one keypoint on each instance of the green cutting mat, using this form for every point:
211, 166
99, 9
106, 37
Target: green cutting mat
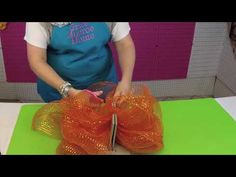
26, 141
198, 126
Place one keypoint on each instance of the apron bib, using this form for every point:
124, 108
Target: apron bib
80, 54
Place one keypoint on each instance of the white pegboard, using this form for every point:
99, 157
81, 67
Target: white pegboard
2, 68
227, 67
19, 91
166, 88
8, 90
27, 91
181, 87
206, 50
221, 90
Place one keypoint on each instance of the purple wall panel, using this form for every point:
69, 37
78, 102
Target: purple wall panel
171, 45
14, 54
162, 51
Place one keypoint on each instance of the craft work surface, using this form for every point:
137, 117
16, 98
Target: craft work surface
198, 126
228, 103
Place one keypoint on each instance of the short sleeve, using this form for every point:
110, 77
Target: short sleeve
36, 34
120, 30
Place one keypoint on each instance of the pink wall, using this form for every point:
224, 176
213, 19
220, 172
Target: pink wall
163, 51
14, 54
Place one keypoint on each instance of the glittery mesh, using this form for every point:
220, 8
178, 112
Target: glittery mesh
83, 122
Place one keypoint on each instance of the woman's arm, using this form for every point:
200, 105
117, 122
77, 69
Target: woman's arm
38, 63
126, 54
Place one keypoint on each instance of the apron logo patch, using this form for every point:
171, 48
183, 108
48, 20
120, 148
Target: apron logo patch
81, 32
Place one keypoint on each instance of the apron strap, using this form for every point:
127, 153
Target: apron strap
48, 27
111, 25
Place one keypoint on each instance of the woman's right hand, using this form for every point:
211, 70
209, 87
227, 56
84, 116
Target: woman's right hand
72, 92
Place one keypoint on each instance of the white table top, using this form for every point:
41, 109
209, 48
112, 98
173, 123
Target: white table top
9, 113
229, 105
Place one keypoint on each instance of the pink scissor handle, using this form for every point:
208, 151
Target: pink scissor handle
94, 95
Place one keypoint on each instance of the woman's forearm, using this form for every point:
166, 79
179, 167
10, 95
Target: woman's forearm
126, 53
37, 61
47, 74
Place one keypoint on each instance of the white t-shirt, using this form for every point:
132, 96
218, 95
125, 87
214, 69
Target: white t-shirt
36, 34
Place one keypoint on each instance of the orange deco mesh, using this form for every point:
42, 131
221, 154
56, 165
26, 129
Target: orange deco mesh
83, 123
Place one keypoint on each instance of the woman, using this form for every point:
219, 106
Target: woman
67, 57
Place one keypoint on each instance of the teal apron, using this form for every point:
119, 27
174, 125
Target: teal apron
80, 54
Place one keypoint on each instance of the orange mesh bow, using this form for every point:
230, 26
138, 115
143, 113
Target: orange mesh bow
83, 123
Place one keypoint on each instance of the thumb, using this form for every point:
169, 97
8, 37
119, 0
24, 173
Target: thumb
98, 93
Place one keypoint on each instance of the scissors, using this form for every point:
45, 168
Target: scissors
113, 131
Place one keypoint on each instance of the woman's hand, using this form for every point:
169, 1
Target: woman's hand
72, 92
123, 88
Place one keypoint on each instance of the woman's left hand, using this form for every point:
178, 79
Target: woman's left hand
123, 88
